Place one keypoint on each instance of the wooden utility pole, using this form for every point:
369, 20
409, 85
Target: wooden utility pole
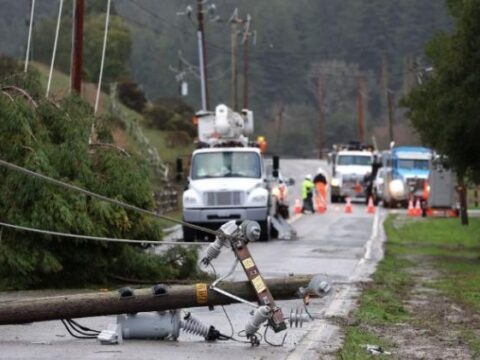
234, 22
321, 119
278, 128
246, 36
202, 55
176, 297
390, 103
77, 48
361, 107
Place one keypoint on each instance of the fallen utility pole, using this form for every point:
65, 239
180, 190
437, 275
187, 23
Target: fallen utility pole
143, 300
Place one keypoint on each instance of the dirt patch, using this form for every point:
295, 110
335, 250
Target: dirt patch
437, 327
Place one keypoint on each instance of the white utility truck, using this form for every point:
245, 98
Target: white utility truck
227, 179
350, 164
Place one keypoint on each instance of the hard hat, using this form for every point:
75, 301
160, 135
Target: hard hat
308, 177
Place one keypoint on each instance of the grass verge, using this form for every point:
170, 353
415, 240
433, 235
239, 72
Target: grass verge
434, 256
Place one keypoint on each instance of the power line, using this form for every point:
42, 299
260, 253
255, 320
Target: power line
64, 185
96, 238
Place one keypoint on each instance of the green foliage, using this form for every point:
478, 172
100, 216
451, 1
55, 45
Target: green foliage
131, 95
445, 110
117, 53
54, 142
172, 115
292, 37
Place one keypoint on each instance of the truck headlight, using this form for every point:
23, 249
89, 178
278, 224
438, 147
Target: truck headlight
259, 199
190, 200
335, 182
396, 188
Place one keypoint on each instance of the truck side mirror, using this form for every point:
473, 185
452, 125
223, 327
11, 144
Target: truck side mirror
179, 170
276, 166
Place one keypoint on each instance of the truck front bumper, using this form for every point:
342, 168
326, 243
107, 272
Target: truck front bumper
222, 215
348, 191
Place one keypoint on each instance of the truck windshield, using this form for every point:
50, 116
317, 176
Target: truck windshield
361, 160
226, 164
413, 164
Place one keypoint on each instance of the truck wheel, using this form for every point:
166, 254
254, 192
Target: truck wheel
265, 227
189, 235
273, 232
334, 199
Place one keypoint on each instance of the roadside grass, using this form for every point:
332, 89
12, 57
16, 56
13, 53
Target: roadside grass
413, 245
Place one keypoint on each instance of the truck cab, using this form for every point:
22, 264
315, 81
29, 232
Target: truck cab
225, 184
227, 178
406, 174
348, 173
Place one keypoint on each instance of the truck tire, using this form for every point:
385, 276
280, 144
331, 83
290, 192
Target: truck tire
265, 228
273, 232
189, 235
334, 199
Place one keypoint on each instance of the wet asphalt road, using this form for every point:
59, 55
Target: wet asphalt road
334, 244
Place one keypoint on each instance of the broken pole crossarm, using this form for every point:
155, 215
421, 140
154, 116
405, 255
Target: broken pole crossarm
143, 300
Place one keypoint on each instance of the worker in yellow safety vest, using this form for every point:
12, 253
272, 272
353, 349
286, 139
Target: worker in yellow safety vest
307, 194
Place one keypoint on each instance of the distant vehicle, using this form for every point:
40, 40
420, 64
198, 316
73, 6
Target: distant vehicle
350, 164
441, 186
378, 186
406, 170
227, 178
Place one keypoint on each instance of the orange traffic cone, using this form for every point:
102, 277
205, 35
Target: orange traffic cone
348, 206
297, 208
320, 207
411, 210
320, 204
418, 209
370, 206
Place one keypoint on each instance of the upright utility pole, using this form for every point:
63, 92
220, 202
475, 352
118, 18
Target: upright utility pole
320, 115
246, 36
77, 53
360, 107
390, 101
234, 22
202, 55
278, 127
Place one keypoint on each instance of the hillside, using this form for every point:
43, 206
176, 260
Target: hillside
167, 150
296, 43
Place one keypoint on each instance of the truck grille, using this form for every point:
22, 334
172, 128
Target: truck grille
352, 179
223, 198
415, 183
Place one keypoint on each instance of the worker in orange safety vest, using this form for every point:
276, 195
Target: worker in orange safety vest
320, 181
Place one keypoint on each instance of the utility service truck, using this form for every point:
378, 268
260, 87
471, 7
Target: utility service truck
350, 164
227, 179
406, 170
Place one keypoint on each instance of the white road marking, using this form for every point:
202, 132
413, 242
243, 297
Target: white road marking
338, 306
